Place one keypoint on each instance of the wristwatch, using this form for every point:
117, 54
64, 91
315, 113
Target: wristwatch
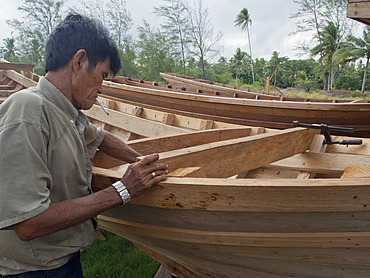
122, 191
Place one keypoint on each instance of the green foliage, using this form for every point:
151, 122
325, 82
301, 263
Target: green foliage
186, 43
203, 38
116, 258
177, 27
155, 53
243, 20
40, 18
237, 63
128, 59
274, 67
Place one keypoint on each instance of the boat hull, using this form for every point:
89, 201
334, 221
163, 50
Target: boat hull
213, 243
266, 113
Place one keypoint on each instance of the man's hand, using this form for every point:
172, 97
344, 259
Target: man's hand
143, 174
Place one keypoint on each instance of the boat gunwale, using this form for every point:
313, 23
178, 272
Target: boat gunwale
347, 107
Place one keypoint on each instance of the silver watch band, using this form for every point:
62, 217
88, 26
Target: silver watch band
122, 191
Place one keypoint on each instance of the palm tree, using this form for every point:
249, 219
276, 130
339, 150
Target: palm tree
358, 48
243, 19
329, 44
9, 48
274, 65
237, 61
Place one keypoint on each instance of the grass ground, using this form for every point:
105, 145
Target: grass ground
116, 257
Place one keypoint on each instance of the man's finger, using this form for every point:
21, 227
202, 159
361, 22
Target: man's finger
144, 160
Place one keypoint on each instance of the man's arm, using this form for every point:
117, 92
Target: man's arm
116, 148
61, 215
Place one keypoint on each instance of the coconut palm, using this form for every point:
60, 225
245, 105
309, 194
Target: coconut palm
9, 48
274, 66
357, 48
243, 20
237, 61
330, 42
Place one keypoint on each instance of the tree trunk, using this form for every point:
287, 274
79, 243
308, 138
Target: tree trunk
364, 81
335, 78
323, 72
250, 52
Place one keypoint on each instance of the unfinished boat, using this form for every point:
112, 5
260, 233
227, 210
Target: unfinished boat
15, 77
256, 111
275, 204
240, 201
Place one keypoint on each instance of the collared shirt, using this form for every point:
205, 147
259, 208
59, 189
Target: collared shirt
45, 150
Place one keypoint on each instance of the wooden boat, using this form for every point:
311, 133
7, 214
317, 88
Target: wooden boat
238, 92
269, 113
14, 77
278, 221
235, 204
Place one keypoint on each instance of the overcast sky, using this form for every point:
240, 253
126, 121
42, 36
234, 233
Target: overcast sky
269, 31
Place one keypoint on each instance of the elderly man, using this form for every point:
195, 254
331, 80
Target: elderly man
47, 208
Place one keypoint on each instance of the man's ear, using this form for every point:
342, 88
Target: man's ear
78, 59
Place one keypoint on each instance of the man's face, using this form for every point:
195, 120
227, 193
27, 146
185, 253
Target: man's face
87, 84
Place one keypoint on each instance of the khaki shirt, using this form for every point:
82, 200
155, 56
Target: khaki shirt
45, 150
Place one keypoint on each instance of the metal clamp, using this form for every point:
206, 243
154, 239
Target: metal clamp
325, 130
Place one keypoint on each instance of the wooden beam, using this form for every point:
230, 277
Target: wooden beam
16, 66
187, 122
252, 195
175, 268
359, 10
362, 171
231, 157
168, 143
324, 163
133, 124
241, 239
19, 78
317, 146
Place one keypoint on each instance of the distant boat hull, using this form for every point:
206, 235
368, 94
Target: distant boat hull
266, 113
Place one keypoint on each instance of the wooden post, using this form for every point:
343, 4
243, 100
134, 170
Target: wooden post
267, 85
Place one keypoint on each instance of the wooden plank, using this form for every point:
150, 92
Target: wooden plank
163, 273
252, 222
325, 163
362, 171
206, 124
282, 240
317, 146
256, 131
19, 78
264, 195
168, 143
133, 124
156, 115
227, 158
16, 66
175, 268
359, 11
230, 157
